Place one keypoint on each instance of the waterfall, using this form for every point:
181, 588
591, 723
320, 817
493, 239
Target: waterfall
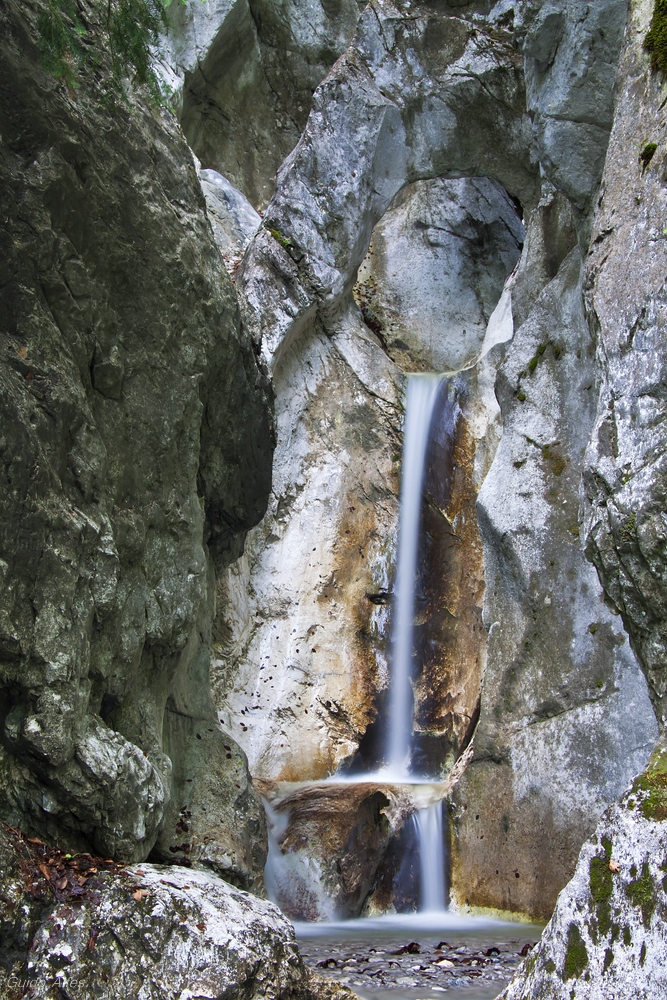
422, 394
432, 889
293, 879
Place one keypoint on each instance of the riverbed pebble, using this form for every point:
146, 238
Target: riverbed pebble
441, 967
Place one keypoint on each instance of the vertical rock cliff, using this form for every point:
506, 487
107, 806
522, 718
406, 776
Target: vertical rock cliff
136, 445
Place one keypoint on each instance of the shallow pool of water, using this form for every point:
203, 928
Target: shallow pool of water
418, 956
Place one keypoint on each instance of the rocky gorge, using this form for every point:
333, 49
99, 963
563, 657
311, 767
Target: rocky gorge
210, 312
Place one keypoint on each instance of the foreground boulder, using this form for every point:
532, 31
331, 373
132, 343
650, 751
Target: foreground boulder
607, 936
80, 927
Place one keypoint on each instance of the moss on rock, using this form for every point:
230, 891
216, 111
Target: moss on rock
641, 893
650, 788
656, 39
576, 956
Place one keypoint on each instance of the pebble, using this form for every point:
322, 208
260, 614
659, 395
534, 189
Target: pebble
435, 967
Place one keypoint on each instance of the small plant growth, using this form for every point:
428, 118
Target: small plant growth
656, 39
70, 42
647, 154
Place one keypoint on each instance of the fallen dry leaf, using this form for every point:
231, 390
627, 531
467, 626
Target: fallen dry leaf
614, 866
139, 894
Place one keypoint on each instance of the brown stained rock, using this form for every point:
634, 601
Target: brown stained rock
301, 637
344, 830
452, 639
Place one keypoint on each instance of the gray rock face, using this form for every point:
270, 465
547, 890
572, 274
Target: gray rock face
233, 218
149, 933
571, 52
563, 700
625, 470
136, 449
243, 75
395, 108
606, 937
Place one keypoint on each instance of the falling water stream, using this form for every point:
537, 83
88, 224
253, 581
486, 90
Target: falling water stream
421, 398
422, 394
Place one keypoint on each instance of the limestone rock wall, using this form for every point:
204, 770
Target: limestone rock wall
389, 125
624, 479
303, 628
136, 445
242, 77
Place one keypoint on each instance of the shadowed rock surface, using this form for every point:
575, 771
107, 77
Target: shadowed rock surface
136, 451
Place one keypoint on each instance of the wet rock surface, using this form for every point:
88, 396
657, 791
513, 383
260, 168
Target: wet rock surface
401, 969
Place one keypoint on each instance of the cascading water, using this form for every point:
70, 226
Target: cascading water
422, 394
292, 879
432, 868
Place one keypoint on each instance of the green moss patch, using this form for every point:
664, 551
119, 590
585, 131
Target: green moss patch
641, 893
532, 364
601, 882
656, 39
576, 956
647, 154
650, 788
284, 241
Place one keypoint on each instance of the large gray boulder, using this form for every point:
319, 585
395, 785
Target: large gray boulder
136, 443
607, 936
79, 927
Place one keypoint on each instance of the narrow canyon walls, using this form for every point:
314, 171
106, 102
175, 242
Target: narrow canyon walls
136, 451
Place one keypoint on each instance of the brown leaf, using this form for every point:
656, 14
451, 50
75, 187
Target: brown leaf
201, 927
61, 883
139, 894
44, 869
614, 866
